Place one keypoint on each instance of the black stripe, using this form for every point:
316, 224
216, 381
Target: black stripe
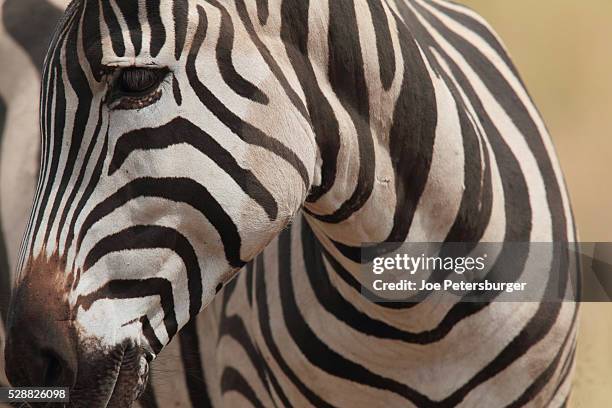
566, 370
149, 334
350, 280
233, 326
158, 31
176, 90
30, 23
91, 185
136, 288
249, 282
180, 131
294, 34
269, 59
192, 364
277, 389
412, 135
242, 129
477, 200
130, 10
224, 49
177, 189
92, 38
180, 11
568, 364
347, 78
114, 29
481, 30
77, 184
266, 330
262, 11
47, 95
144, 237
384, 44
232, 380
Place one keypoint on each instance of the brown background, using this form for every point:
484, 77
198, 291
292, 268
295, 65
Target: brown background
563, 49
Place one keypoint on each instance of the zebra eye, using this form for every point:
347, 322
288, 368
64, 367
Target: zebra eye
138, 81
135, 87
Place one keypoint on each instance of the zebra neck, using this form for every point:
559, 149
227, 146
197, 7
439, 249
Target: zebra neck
325, 281
391, 158
391, 144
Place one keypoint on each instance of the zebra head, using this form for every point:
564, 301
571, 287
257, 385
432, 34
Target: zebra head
173, 150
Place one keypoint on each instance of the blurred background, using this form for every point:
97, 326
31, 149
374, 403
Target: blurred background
563, 49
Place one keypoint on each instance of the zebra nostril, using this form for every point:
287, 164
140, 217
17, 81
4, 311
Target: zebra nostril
54, 369
32, 366
41, 352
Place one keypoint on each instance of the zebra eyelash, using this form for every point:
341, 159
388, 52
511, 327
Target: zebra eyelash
120, 98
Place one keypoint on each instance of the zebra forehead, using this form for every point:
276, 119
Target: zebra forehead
131, 10
112, 30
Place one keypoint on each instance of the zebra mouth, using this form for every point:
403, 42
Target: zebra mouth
130, 379
119, 385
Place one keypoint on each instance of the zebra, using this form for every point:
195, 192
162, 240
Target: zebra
186, 140
22, 50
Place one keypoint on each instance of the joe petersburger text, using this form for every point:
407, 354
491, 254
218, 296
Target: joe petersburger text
403, 263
